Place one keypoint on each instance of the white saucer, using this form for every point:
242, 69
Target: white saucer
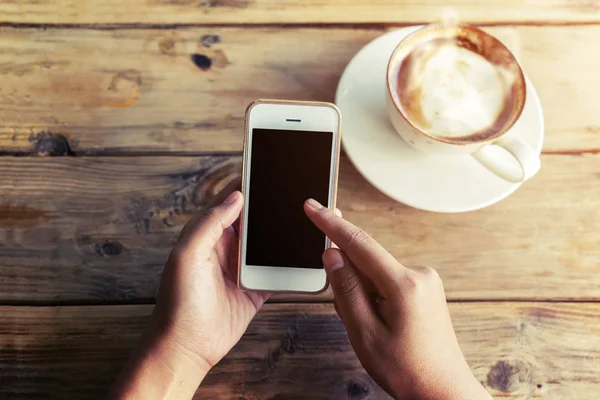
427, 182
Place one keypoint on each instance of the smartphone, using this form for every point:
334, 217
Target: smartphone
291, 154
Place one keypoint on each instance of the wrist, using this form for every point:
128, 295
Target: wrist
160, 369
172, 333
174, 355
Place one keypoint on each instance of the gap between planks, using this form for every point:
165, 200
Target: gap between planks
315, 25
127, 153
298, 301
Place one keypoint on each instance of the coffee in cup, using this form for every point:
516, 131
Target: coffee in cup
457, 89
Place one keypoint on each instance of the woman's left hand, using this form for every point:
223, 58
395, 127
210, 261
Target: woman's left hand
200, 313
199, 307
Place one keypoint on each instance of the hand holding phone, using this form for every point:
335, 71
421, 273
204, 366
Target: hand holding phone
200, 314
291, 153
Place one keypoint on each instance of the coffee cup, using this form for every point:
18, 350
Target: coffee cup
455, 89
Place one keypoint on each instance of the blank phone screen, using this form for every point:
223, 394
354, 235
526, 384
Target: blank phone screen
286, 169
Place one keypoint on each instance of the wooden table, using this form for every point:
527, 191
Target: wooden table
138, 107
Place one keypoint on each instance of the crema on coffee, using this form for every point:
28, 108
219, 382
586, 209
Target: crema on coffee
448, 90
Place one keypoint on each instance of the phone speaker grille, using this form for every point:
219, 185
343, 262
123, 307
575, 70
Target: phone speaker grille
293, 120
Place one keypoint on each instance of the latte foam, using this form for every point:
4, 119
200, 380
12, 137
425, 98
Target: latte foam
450, 91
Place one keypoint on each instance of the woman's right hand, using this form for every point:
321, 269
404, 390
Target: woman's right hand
396, 317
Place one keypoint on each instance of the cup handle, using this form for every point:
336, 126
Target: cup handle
528, 159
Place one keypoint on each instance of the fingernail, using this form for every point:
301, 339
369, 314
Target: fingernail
333, 261
312, 203
232, 198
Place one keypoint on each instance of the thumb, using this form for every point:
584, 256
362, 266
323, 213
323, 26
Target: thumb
204, 230
351, 298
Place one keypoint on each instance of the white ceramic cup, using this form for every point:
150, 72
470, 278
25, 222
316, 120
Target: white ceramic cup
483, 145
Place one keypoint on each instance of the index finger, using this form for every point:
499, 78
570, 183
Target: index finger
369, 257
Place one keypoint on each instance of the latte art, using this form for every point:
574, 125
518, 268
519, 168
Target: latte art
450, 91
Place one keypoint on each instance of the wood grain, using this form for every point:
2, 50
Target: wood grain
186, 90
294, 11
517, 350
99, 229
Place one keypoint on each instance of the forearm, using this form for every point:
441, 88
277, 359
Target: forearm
466, 389
159, 370
457, 391
461, 384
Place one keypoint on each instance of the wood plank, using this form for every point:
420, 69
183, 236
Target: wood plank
517, 350
186, 90
293, 11
99, 229
543, 238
